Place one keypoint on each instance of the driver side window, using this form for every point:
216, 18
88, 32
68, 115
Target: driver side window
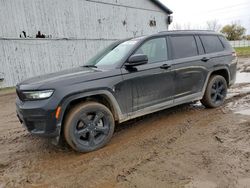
155, 49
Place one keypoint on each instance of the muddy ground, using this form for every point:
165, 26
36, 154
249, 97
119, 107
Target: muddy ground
185, 146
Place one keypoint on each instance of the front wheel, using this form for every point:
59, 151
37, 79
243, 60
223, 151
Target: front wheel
88, 126
216, 92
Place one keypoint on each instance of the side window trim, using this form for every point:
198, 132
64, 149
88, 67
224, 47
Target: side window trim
201, 49
221, 42
202, 45
169, 48
197, 48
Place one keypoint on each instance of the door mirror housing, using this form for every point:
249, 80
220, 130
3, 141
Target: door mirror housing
137, 59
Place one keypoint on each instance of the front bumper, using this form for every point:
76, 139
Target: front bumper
37, 118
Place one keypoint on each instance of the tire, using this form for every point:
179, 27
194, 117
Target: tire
216, 92
88, 127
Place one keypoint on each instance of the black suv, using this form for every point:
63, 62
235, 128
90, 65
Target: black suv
129, 78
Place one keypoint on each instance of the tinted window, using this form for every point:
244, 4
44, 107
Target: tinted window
183, 46
155, 49
225, 42
211, 44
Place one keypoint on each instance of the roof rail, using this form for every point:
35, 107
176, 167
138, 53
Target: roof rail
196, 30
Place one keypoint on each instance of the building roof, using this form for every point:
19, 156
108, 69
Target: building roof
162, 6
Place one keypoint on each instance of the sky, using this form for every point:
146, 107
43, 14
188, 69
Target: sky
197, 12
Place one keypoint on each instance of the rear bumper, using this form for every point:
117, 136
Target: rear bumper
37, 119
233, 70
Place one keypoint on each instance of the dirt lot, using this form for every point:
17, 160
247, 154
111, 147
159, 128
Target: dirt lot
186, 146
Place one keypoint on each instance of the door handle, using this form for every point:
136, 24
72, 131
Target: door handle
165, 66
205, 59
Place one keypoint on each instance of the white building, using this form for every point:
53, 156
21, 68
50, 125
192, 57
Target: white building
74, 30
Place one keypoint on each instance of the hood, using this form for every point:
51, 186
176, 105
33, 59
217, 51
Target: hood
66, 77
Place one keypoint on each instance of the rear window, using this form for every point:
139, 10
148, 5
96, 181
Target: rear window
211, 43
225, 42
183, 46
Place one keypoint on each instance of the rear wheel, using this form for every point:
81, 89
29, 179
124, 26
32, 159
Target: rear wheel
216, 92
88, 127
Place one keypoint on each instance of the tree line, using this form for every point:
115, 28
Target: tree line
233, 31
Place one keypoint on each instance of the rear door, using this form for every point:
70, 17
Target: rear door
215, 51
189, 66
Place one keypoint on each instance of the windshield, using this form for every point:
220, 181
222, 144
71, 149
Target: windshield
112, 55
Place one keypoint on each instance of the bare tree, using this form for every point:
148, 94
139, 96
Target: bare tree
213, 25
184, 26
176, 26
188, 26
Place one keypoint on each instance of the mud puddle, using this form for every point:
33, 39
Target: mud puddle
242, 104
244, 112
242, 77
242, 87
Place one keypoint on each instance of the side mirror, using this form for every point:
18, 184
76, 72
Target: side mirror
137, 59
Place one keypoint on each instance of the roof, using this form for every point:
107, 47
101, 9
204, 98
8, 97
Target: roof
162, 6
189, 32
177, 32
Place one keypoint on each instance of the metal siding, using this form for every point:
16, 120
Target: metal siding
141, 4
79, 20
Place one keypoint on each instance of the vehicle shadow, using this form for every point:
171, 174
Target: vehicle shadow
160, 114
183, 108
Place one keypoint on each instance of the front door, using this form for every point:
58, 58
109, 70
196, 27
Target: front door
151, 85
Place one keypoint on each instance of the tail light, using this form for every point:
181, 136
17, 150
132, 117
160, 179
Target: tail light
234, 54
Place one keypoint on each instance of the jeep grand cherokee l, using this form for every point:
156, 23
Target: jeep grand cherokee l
128, 79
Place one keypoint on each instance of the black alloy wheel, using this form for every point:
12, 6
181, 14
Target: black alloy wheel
216, 92
88, 126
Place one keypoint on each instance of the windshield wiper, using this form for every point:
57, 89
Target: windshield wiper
90, 66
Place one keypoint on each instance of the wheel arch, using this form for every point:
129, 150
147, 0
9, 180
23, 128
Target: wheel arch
224, 72
206, 99
104, 97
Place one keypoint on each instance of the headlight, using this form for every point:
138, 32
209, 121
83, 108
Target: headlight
33, 95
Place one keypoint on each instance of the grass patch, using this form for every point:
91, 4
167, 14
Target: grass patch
243, 51
7, 90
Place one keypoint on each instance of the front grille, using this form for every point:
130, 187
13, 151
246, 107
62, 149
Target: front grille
20, 95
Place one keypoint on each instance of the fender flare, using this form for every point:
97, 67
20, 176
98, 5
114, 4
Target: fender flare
68, 99
217, 68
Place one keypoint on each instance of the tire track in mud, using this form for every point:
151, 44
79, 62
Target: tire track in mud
79, 165
167, 144
206, 160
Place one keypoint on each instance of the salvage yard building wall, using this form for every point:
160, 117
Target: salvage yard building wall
77, 29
